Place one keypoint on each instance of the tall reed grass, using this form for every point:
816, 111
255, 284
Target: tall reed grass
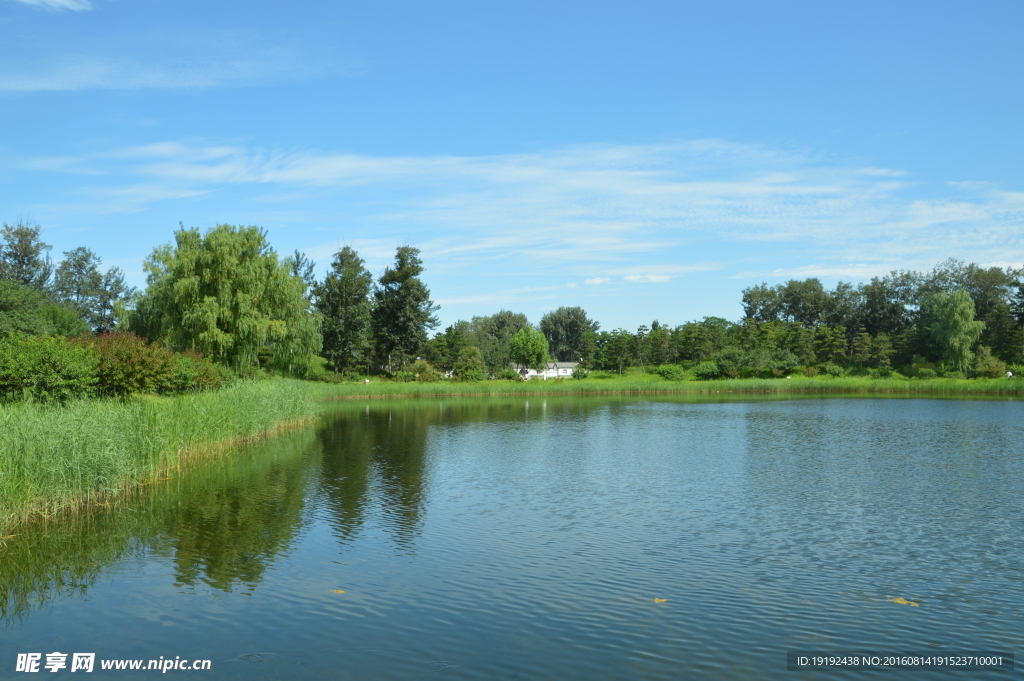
58, 458
655, 385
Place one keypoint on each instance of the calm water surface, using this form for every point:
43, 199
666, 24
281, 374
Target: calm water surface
515, 539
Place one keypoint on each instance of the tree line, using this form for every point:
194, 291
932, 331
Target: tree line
39, 298
227, 295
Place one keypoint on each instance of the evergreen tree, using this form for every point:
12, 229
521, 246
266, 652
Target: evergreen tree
402, 311
343, 301
861, 348
79, 285
23, 256
302, 267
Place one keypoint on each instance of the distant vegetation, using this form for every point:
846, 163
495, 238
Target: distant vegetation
222, 304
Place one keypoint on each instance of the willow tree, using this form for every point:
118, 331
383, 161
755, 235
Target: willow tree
954, 329
227, 295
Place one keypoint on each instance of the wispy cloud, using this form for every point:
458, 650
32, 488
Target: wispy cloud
640, 213
76, 5
190, 59
596, 281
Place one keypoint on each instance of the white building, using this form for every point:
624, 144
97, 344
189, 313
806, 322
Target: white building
551, 370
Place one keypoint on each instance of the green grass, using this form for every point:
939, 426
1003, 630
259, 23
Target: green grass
653, 384
55, 459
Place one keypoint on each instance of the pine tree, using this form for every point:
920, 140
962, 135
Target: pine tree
343, 301
402, 311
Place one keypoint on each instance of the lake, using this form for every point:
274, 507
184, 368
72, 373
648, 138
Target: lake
552, 538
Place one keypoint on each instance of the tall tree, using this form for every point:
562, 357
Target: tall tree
566, 328
402, 311
619, 349
79, 285
302, 267
954, 329
761, 303
227, 295
114, 295
528, 349
23, 255
343, 301
803, 301
492, 335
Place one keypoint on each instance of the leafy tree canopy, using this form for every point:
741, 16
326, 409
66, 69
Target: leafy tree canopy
954, 329
566, 330
226, 295
528, 349
23, 255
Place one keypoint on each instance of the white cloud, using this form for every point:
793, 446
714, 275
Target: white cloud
648, 278
195, 59
59, 4
596, 281
856, 271
643, 213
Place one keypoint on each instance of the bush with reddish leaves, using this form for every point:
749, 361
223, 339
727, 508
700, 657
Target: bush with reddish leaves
128, 364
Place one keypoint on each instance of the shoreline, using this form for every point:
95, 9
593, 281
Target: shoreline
59, 461
801, 386
96, 453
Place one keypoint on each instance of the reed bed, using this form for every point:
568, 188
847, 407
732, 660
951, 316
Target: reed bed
651, 385
59, 459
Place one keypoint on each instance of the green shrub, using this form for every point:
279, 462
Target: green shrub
671, 372
707, 371
810, 372
509, 375
987, 366
128, 364
925, 373
423, 372
833, 370
65, 321
580, 372
46, 369
191, 372
1016, 369
403, 376
469, 366
882, 372
783, 362
729, 362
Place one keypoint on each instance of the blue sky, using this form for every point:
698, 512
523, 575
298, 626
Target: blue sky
644, 160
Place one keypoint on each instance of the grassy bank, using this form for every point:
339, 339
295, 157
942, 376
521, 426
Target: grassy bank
650, 384
55, 459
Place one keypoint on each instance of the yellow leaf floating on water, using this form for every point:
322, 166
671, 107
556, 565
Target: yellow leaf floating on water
660, 600
337, 591
902, 601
